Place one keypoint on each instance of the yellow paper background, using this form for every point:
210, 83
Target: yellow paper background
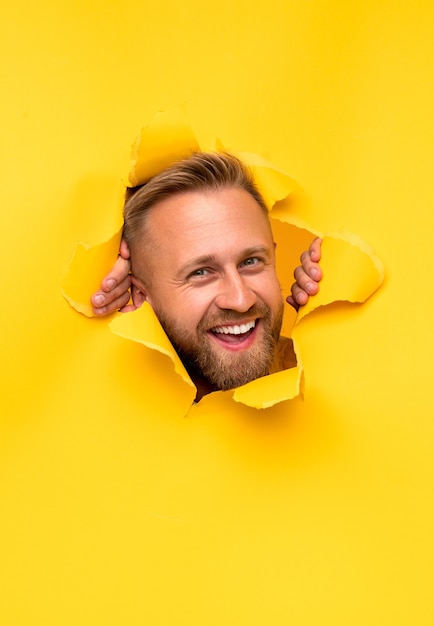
113, 509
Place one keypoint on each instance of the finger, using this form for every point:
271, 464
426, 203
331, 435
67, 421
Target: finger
113, 306
102, 299
310, 268
117, 274
290, 300
315, 250
304, 282
299, 295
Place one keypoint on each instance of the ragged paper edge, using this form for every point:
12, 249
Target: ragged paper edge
267, 391
142, 326
166, 139
273, 184
352, 272
86, 268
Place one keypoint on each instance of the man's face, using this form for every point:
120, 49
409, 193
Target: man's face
208, 267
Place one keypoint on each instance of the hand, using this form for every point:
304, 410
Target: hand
114, 294
307, 276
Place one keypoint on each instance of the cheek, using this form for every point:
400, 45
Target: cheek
186, 308
270, 291
194, 305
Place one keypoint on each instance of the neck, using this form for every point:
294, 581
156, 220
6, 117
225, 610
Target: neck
203, 386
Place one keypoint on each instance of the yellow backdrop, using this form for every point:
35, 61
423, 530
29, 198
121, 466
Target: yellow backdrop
115, 510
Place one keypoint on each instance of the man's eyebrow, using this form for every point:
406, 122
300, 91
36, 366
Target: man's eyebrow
210, 259
255, 250
206, 259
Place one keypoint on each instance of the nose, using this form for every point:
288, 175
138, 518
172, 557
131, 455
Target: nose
234, 293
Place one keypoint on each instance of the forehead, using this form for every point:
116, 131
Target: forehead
218, 218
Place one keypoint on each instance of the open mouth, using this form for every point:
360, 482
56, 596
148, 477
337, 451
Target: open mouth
234, 334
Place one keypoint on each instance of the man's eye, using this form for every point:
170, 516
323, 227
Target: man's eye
251, 262
200, 272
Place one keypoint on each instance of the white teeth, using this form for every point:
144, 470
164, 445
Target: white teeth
234, 330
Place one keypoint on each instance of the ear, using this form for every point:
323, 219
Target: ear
138, 292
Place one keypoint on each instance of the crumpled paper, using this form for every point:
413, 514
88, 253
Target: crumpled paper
351, 270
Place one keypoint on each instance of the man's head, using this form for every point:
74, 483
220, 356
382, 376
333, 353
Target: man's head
202, 255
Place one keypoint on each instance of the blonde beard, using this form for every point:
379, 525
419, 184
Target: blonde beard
226, 370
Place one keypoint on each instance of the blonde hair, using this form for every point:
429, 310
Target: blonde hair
202, 171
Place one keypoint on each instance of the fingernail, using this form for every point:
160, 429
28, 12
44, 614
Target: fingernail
99, 300
314, 273
310, 287
111, 283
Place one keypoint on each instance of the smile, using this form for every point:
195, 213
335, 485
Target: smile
234, 330
235, 337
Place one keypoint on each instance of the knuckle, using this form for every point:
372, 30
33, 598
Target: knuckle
298, 272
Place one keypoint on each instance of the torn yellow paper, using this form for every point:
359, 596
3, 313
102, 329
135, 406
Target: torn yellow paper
351, 270
166, 139
289, 210
267, 391
143, 327
273, 184
88, 265
270, 390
